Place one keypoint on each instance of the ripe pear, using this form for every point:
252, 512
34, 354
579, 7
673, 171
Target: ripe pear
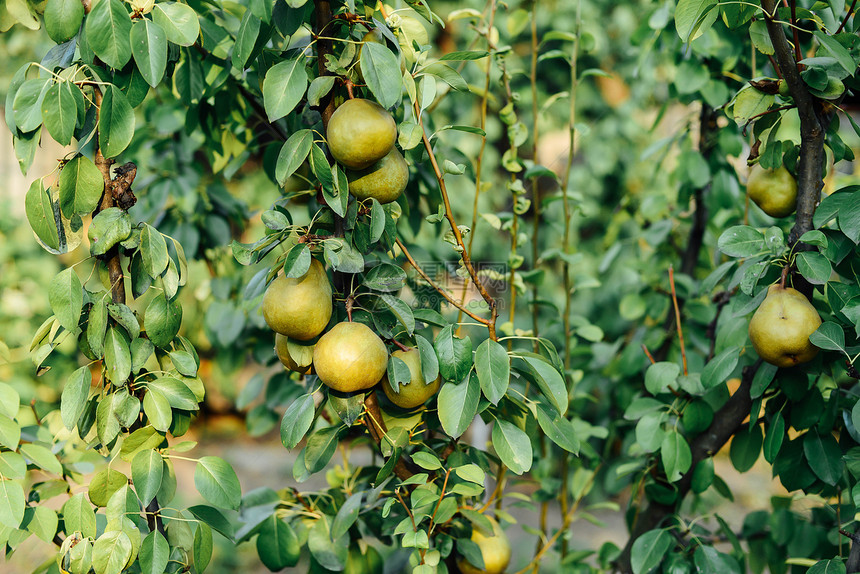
781, 326
773, 190
360, 133
414, 393
299, 308
385, 180
283, 352
350, 357
495, 549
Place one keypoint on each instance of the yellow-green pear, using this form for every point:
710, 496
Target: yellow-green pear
350, 357
773, 190
495, 550
781, 326
282, 350
384, 181
299, 308
414, 393
360, 133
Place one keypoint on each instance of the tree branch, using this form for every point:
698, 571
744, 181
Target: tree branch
812, 125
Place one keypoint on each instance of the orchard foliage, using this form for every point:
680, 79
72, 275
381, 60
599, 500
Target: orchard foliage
592, 309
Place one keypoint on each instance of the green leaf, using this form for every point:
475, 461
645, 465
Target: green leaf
542, 373
202, 547
381, 71
648, 550
458, 404
559, 430
401, 311
146, 473
320, 448
63, 19
676, 456
837, 50
81, 185
149, 48
745, 448
749, 103
429, 361
153, 250
10, 433
108, 29
346, 515
283, 88
246, 37
40, 214
116, 119
775, 436
12, 465
162, 319
43, 523
824, 456
708, 559
293, 153
179, 22
694, 17
154, 554
297, 421
27, 105
66, 296
741, 241
217, 482
277, 544
78, 516
104, 485
11, 503
108, 228
117, 357
10, 400
42, 457
385, 277
660, 376
829, 336
720, 367
455, 355
465, 56
493, 367
157, 410
512, 445
60, 112
834, 566
176, 392
112, 550
814, 267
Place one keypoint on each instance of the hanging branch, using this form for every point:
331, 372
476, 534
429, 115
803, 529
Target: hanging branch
458, 236
727, 421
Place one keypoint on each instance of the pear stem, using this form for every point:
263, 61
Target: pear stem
784, 276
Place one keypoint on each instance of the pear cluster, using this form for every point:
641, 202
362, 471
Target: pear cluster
361, 136
349, 357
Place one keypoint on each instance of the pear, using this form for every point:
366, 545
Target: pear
360, 133
781, 326
773, 190
299, 308
282, 350
414, 393
495, 550
350, 357
384, 181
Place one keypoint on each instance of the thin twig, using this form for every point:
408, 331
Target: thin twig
678, 318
